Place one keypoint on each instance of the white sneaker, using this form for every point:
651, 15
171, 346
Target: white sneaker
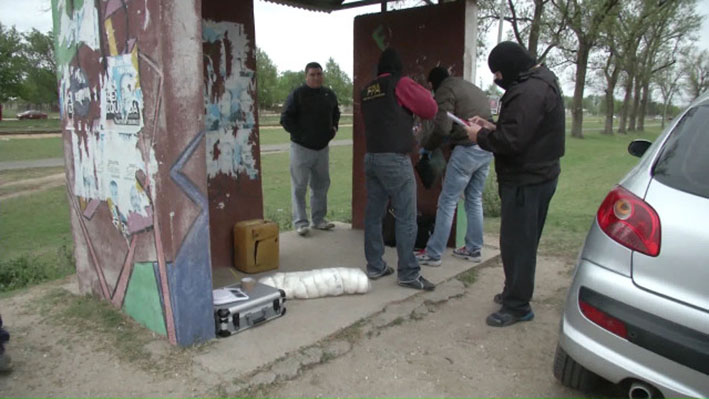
302, 230
426, 260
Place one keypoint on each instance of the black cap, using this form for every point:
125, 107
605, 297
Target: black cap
389, 62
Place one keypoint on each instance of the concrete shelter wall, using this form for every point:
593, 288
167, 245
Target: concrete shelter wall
133, 128
424, 37
231, 121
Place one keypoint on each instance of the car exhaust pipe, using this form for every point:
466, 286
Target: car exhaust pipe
641, 390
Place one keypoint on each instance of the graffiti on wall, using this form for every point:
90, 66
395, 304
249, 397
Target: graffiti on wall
102, 107
229, 105
76, 23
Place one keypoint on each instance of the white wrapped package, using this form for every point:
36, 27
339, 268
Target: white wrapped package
318, 283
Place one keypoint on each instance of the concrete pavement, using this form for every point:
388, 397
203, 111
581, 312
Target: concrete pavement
282, 345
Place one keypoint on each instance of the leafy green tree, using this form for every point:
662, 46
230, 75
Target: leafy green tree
266, 80
12, 64
288, 81
40, 81
338, 81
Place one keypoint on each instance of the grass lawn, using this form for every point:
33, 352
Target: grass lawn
590, 168
278, 135
273, 119
276, 187
37, 226
30, 125
29, 149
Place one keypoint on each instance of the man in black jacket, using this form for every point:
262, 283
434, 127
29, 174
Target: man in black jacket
311, 116
389, 104
527, 142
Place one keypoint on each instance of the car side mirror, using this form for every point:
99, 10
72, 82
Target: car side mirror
638, 147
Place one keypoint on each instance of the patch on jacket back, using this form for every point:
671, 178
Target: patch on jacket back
373, 91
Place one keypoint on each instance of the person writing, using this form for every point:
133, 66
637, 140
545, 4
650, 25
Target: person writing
466, 170
388, 105
311, 115
527, 142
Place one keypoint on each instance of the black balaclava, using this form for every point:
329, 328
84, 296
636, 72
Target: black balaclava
389, 62
436, 76
510, 59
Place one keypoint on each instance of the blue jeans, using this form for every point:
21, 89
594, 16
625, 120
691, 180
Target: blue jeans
390, 176
309, 167
466, 173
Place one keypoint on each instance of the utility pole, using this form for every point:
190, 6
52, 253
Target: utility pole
502, 20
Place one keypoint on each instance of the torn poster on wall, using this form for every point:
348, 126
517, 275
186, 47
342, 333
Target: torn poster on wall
121, 95
105, 168
229, 100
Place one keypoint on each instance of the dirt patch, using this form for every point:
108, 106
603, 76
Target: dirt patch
23, 187
28, 135
68, 345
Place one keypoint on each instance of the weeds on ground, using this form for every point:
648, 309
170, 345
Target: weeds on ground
468, 277
25, 270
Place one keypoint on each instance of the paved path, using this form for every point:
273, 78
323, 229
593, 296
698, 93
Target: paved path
37, 163
44, 163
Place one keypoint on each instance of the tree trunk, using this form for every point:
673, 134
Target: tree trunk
636, 105
610, 104
577, 103
535, 28
643, 105
628, 87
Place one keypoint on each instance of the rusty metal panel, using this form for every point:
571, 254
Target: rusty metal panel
133, 126
232, 145
424, 37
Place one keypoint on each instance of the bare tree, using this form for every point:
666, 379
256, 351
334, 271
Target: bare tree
697, 79
667, 81
532, 21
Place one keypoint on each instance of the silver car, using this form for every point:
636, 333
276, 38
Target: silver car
637, 311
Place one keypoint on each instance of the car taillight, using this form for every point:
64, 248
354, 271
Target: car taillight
630, 221
603, 319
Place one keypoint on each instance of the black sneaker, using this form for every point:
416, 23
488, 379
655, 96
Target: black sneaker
387, 271
419, 283
497, 299
504, 318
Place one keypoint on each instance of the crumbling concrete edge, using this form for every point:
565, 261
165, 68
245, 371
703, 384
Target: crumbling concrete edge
293, 364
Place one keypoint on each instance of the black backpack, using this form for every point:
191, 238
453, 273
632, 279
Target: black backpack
425, 223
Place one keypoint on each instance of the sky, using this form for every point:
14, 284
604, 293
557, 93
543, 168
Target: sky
291, 37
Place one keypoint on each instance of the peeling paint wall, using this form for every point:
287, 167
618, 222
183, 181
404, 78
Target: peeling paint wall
424, 37
133, 127
233, 160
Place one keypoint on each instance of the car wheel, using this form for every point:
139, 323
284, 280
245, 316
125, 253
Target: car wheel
572, 374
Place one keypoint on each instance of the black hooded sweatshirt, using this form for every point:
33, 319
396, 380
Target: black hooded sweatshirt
529, 136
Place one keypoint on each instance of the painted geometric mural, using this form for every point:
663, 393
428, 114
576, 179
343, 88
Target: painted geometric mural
131, 105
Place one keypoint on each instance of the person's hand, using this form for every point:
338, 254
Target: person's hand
482, 122
472, 131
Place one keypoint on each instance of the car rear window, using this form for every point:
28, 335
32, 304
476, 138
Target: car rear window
684, 160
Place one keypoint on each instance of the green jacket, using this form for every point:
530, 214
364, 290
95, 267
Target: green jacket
464, 100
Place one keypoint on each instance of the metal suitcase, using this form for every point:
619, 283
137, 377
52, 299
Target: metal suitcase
264, 303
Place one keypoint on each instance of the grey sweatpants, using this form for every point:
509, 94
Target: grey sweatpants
309, 167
